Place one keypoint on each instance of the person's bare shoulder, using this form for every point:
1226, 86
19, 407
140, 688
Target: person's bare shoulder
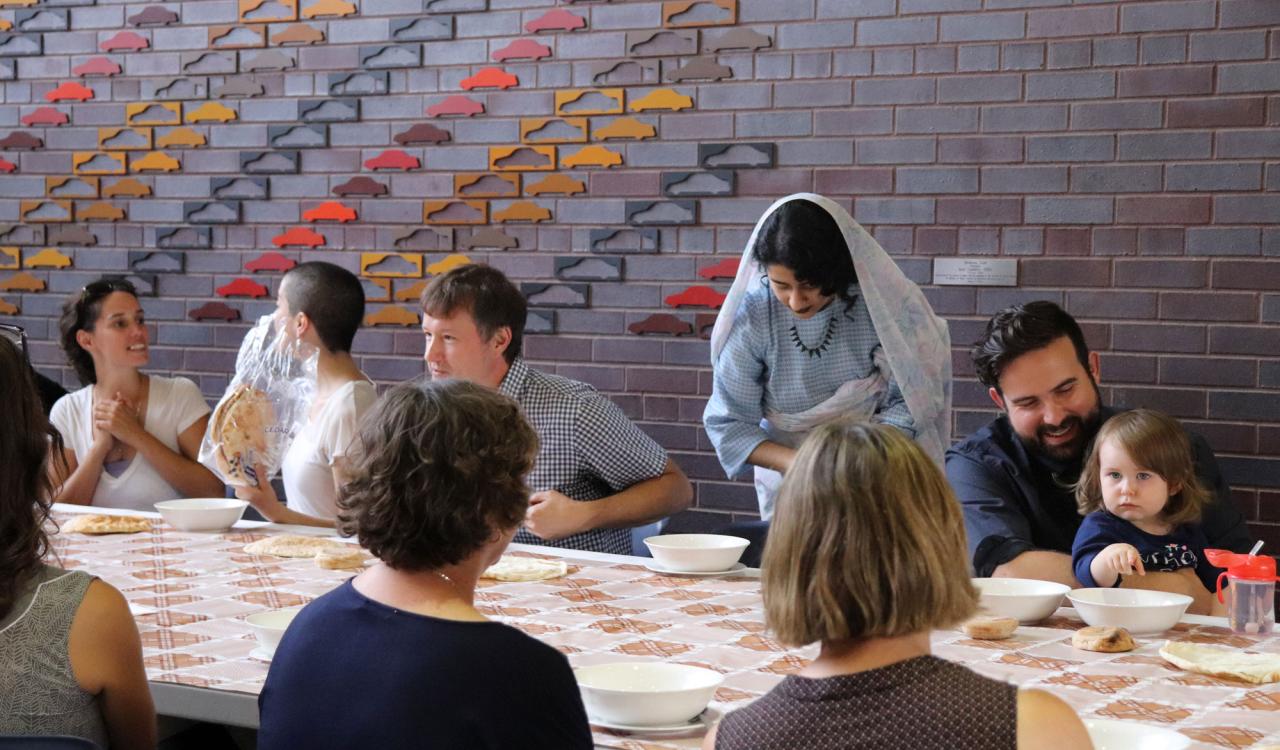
103, 628
1046, 722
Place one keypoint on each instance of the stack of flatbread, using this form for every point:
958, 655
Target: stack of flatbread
94, 523
1223, 662
511, 568
238, 430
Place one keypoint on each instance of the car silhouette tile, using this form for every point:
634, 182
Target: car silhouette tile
330, 211
490, 78
215, 311
697, 296
70, 91
393, 159
270, 261
299, 237
242, 288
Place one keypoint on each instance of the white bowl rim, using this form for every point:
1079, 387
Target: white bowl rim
709, 674
293, 611
196, 503
1053, 587
729, 541
1174, 599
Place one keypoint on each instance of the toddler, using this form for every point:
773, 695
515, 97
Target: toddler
1142, 503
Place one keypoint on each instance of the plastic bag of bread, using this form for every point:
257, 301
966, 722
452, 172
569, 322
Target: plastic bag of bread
264, 406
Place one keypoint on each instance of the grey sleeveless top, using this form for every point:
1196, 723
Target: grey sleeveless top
39, 694
924, 703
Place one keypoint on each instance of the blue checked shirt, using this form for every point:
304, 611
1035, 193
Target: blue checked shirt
763, 369
587, 449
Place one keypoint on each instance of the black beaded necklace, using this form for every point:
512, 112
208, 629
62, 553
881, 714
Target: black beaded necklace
816, 351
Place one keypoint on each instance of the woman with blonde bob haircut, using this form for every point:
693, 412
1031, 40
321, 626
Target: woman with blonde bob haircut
865, 557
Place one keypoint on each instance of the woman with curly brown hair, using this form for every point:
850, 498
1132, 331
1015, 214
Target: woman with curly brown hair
131, 438
437, 498
70, 658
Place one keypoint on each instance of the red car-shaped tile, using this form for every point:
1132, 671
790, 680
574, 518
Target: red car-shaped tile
22, 141
97, 66
697, 296
70, 90
522, 49
214, 311
662, 323
154, 14
490, 78
456, 105
299, 237
45, 116
242, 288
270, 261
330, 211
556, 20
725, 269
125, 40
424, 132
360, 185
393, 159
7, 166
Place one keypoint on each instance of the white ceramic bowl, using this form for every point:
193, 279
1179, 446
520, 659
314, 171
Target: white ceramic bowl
646, 693
268, 627
1139, 612
1024, 599
696, 553
202, 513
1108, 734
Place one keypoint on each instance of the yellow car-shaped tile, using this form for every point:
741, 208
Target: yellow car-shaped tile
211, 111
156, 161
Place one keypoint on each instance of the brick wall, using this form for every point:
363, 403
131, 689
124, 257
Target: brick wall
1126, 153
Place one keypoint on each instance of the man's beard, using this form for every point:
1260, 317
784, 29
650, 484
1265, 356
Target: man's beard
1072, 451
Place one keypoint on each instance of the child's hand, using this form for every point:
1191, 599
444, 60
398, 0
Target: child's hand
1120, 559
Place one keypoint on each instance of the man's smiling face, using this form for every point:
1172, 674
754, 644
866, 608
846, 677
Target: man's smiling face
1052, 400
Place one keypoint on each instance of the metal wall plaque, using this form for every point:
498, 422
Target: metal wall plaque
975, 272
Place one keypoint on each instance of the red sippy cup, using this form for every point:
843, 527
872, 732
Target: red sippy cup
1251, 598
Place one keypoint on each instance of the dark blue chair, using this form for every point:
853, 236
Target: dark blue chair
753, 531
9, 742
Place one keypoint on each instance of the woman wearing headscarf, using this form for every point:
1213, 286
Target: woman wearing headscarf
820, 323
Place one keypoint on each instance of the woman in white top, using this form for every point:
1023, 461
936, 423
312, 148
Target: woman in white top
130, 439
323, 305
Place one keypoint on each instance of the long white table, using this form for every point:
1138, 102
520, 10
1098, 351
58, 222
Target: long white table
190, 593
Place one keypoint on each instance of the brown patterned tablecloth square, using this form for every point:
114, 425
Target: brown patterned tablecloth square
191, 591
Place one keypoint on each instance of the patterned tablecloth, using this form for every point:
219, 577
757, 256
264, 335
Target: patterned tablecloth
190, 593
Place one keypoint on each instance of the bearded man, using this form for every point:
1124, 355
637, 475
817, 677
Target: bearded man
1015, 476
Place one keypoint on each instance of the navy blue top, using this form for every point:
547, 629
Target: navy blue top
1181, 548
354, 673
1014, 501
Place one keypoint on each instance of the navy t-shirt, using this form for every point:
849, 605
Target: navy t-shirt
1181, 548
354, 673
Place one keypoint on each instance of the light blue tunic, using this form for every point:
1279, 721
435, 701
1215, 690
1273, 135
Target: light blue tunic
762, 369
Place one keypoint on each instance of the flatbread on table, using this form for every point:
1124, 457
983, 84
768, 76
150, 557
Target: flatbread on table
238, 430
1231, 663
293, 545
97, 523
989, 628
340, 559
511, 568
1103, 639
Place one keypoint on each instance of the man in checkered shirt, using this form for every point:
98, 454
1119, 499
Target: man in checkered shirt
596, 474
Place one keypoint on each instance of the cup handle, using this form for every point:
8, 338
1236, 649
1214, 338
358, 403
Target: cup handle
1220, 577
